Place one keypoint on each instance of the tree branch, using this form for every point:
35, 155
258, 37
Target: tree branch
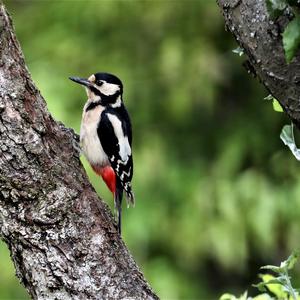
62, 239
260, 37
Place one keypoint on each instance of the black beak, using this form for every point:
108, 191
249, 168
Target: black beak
82, 81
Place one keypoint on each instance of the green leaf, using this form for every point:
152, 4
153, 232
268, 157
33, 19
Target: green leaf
239, 51
244, 296
292, 259
287, 136
291, 38
227, 297
262, 297
276, 105
261, 286
269, 97
275, 7
275, 269
274, 286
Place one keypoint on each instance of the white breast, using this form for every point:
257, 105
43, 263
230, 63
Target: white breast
89, 139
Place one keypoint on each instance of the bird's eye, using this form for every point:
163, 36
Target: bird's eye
99, 82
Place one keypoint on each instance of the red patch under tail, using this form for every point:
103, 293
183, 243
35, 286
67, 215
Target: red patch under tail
108, 175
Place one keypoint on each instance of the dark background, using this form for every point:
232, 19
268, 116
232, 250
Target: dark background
217, 192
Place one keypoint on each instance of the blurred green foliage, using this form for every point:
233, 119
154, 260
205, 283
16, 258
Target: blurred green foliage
278, 286
218, 194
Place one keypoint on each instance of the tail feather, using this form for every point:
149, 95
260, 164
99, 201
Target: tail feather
118, 195
130, 199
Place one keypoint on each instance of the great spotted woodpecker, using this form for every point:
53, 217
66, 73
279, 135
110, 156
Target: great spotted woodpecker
106, 135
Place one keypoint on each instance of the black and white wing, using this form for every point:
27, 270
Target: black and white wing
114, 131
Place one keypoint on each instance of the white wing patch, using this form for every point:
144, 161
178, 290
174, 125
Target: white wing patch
125, 150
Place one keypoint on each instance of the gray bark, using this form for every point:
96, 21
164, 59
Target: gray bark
261, 39
62, 238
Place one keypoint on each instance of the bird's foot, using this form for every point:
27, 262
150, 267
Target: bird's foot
76, 146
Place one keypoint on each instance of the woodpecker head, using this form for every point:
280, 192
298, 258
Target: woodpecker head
103, 87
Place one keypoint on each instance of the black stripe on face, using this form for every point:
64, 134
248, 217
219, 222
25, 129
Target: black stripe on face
95, 91
92, 105
105, 99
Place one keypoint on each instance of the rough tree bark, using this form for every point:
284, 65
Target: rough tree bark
260, 37
61, 237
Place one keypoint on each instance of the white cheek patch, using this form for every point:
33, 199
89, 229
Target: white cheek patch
108, 89
125, 150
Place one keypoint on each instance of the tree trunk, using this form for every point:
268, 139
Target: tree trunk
260, 37
62, 238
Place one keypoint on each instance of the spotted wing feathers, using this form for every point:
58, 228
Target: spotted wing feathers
114, 131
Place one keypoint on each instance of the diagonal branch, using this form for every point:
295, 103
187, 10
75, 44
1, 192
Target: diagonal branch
62, 238
260, 37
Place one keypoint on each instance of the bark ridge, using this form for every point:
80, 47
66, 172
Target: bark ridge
260, 37
61, 237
